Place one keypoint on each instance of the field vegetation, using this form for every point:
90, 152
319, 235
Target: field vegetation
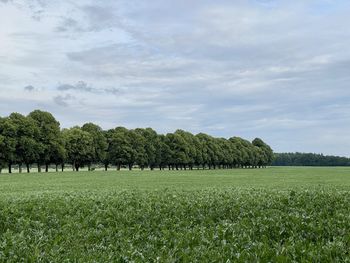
241, 215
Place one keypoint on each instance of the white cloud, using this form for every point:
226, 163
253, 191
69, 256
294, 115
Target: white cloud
274, 69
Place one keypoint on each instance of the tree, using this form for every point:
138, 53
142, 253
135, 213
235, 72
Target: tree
120, 149
59, 154
192, 144
99, 143
266, 153
204, 147
8, 131
138, 155
49, 137
2, 148
164, 153
245, 151
179, 150
38, 138
151, 146
26, 149
79, 147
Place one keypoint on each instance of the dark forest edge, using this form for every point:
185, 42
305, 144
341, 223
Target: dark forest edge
37, 139
308, 159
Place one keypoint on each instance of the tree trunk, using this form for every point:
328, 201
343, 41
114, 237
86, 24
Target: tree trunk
89, 167
20, 168
10, 168
130, 167
77, 167
106, 167
56, 168
28, 168
39, 168
62, 167
118, 166
46, 168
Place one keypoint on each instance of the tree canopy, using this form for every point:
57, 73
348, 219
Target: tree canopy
309, 159
38, 139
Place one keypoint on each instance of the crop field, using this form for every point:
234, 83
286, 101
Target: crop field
241, 215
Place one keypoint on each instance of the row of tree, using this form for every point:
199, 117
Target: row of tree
38, 139
309, 159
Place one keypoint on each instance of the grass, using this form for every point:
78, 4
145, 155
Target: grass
275, 214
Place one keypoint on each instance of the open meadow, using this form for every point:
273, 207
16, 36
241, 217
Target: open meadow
245, 215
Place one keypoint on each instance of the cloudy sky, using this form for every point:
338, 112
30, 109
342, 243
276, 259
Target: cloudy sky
274, 69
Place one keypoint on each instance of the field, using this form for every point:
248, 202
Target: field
244, 215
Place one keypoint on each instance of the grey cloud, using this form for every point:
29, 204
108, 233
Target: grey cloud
114, 53
29, 88
273, 69
113, 91
100, 17
79, 86
68, 24
82, 86
63, 101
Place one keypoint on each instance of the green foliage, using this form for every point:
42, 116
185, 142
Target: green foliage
79, 146
309, 159
8, 142
38, 139
99, 142
49, 137
151, 143
120, 147
211, 225
27, 148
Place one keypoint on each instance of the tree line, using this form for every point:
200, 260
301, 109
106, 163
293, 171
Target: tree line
309, 159
37, 139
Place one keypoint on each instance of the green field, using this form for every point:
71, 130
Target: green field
245, 215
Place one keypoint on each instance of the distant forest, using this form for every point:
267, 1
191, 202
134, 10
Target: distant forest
308, 159
37, 139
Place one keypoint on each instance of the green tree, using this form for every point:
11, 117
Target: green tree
151, 146
266, 154
179, 150
79, 147
59, 154
138, 153
192, 144
8, 131
99, 143
49, 137
164, 152
26, 149
204, 148
245, 151
2, 148
120, 149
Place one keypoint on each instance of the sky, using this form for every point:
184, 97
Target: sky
274, 69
